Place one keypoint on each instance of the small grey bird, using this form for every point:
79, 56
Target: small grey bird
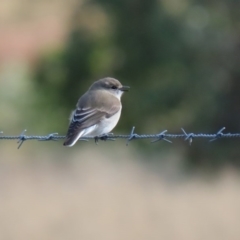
97, 112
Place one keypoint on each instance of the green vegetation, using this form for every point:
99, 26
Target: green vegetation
180, 59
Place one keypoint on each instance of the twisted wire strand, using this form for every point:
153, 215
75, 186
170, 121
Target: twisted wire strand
132, 136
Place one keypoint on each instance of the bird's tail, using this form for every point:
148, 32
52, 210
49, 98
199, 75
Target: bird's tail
72, 138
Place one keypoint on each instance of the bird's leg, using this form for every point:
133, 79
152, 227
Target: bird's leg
96, 140
104, 137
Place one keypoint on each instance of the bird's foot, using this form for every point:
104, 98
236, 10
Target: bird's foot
104, 137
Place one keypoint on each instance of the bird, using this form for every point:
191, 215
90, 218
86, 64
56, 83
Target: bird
97, 111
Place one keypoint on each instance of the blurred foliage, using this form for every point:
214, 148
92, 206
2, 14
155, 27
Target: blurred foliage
179, 57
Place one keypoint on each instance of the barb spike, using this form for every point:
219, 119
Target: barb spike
131, 136
189, 136
22, 138
218, 135
161, 136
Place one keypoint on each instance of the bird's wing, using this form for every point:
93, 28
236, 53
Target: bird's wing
85, 117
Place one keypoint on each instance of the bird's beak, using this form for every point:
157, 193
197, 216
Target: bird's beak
124, 88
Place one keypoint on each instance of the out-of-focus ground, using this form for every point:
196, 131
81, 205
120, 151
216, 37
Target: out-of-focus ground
99, 193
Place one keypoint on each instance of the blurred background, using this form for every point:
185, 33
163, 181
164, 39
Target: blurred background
181, 59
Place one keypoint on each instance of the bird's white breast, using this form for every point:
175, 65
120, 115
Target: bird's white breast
103, 127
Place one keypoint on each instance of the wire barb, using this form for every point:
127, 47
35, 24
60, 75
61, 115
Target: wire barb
189, 136
131, 136
218, 135
161, 136
22, 138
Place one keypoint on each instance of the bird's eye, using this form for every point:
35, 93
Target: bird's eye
113, 87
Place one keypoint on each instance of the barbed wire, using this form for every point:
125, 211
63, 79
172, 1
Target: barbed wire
132, 136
